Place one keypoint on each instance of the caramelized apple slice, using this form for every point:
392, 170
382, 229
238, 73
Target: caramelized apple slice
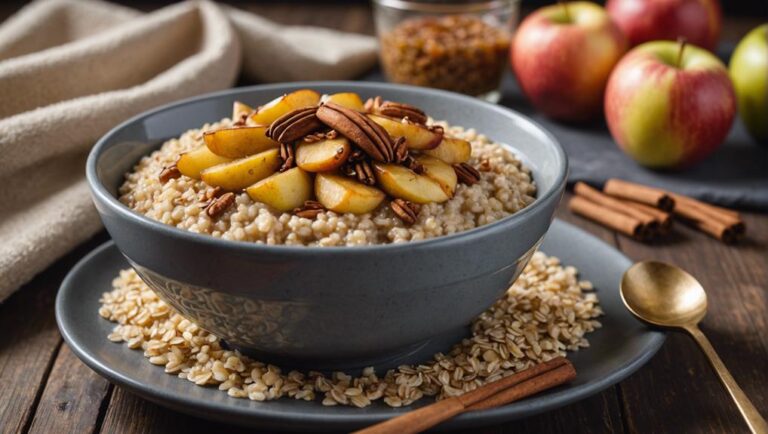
451, 150
349, 100
238, 174
439, 172
341, 194
239, 142
283, 191
279, 106
324, 155
406, 184
193, 162
240, 110
416, 136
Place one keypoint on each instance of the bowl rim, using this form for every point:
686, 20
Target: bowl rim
100, 192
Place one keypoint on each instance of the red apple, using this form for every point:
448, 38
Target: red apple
698, 21
562, 56
669, 105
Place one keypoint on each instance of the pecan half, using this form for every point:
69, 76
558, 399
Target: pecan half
395, 109
414, 165
314, 137
466, 174
294, 125
355, 126
287, 154
218, 206
356, 155
372, 104
310, 210
321, 135
168, 173
401, 150
209, 195
212, 193
360, 170
405, 210
364, 172
400, 110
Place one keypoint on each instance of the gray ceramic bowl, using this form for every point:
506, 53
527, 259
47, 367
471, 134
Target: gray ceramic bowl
333, 306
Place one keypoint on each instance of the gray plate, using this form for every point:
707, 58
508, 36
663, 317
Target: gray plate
617, 350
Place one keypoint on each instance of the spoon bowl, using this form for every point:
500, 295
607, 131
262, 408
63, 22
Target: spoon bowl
666, 296
663, 295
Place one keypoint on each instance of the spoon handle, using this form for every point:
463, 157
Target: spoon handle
756, 422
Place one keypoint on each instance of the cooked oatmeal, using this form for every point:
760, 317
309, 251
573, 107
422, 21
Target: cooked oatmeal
504, 188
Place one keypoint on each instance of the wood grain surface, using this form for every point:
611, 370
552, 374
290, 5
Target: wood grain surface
45, 389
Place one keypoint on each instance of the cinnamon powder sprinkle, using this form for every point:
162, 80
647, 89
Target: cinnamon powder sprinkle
545, 313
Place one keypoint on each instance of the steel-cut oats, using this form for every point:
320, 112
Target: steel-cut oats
547, 312
504, 188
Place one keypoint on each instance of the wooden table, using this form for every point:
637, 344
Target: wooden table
44, 388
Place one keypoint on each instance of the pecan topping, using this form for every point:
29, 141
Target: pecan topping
321, 135
356, 155
399, 110
401, 150
218, 206
414, 165
466, 174
395, 109
294, 125
212, 193
405, 210
485, 165
287, 154
310, 209
314, 137
372, 104
365, 133
364, 172
209, 196
168, 173
361, 170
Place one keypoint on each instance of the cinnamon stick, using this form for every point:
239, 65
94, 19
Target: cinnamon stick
557, 376
663, 218
612, 219
723, 224
639, 193
649, 221
508, 389
724, 215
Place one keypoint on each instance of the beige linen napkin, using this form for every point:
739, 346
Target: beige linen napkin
72, 69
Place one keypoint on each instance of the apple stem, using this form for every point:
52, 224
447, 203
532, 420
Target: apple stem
682, 43
564, 3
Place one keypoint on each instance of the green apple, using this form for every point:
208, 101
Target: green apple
669, 105
749, 72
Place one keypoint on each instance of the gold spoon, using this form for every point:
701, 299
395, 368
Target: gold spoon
667, 296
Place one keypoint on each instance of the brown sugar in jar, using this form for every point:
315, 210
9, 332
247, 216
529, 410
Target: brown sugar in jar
461, 53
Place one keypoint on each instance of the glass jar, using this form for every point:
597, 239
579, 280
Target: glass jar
461, 46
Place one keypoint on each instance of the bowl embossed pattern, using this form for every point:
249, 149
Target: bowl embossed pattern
346, 306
